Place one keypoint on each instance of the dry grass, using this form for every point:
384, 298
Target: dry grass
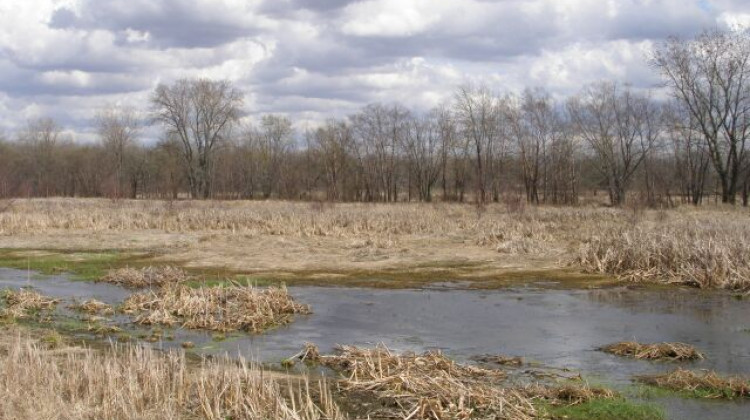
499, 359
706, 247
425, 386
706, 384
93, 307
656, 351
231, 308
20, 303
145, 277
569, 393
711, 254
136, 383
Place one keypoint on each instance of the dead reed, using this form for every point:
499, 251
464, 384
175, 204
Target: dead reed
706, 384
706, 254
137, 383
20, 303
423, 386
499, 359
136, 278
568, 393
655, 351
232, 308
93, 307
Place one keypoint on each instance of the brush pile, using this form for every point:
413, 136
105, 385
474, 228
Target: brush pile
657, 351
146, 277
18, 304
223, 309
93, 307
424, 386
706, 384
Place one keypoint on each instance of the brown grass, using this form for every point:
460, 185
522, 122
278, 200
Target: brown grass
136, 383
568, 393
707, 254
145, 277
93, 307
19, 304
424, 386
706, 384
499, 359
706, 247
231, 308
656, 351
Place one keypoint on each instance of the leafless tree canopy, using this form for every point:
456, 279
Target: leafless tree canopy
200, 114
483, 145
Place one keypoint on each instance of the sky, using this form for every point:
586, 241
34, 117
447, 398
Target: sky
312, 60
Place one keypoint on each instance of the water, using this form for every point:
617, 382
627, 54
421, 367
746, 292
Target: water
559, 328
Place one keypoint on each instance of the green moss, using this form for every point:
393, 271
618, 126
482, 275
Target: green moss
608, 409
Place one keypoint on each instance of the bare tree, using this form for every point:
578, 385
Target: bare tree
334, 143
710, 76
477, 111
620, 126
118, 130
275, 139
691, 157
422, 144
200, 113
41, 137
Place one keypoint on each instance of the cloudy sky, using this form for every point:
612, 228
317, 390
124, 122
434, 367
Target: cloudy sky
319, 58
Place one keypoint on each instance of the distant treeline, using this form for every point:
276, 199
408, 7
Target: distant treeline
480, 146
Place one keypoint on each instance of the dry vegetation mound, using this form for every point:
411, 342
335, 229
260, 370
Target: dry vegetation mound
431, 386
231, 308
136, 383
19, 304
425, 386
93, 307
146, 277
656, 351
706, 254
706, 384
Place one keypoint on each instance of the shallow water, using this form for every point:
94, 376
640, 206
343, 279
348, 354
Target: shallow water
558, 328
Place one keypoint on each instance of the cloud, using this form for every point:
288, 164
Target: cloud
314, 59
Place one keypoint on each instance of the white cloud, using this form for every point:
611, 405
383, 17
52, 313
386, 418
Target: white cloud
311, 60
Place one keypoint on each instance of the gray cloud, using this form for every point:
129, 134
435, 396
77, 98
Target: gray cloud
314, 59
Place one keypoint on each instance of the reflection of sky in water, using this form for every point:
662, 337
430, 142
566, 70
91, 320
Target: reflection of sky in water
561, 328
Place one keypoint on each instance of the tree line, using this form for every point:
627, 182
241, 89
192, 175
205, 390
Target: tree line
480, 146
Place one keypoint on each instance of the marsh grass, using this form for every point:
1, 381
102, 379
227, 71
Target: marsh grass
705, 384
607, 409
222, 309
23, 303
423, 386
136, 383
655, 351
136, 278
93, 307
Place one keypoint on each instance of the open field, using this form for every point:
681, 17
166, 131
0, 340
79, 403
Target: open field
408, 243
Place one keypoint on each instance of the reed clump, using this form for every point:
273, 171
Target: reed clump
223, 309
655, 351
709, 255
21, 303
136, 383
704, 384
499, 359
93, 307
423, 386
568, 393
136, 278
